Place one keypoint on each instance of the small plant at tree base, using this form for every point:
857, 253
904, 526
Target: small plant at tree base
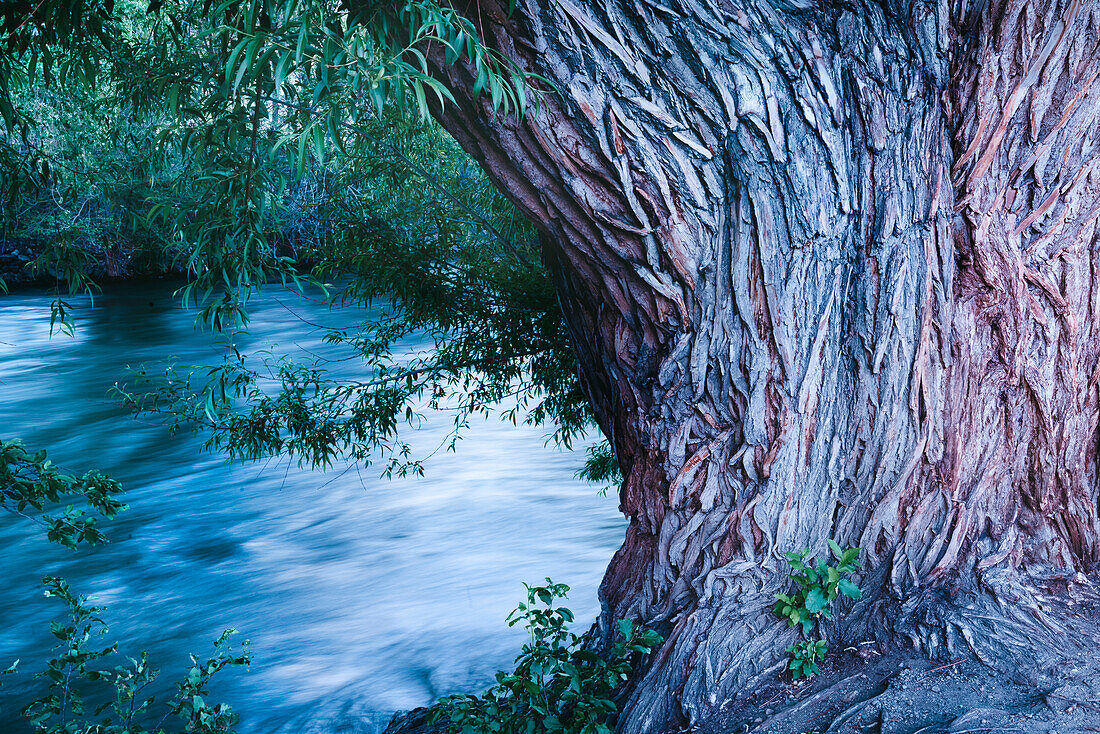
805, 655
819, 584
560, 683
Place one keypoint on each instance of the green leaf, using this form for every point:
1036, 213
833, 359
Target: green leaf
520, 85
816, 601
849, 589
319, 143
480, 81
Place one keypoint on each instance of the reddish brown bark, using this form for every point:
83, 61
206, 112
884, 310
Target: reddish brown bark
831, 271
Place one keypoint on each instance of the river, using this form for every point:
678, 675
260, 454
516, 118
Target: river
361, 596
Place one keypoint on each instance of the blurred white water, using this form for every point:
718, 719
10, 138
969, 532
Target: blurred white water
361, 595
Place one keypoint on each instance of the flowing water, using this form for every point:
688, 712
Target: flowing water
360, 595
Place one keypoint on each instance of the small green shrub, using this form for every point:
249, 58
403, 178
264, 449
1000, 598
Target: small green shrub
805, 655
560, 683
127, 707
818, 583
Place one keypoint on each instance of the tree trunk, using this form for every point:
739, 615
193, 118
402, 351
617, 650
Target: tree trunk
831, 271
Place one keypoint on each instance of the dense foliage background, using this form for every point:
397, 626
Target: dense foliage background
251, 144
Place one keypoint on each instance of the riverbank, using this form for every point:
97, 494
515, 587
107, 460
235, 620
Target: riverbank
19, 255
16, 257
893, 691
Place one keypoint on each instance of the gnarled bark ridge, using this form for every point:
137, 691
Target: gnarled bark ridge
831, 271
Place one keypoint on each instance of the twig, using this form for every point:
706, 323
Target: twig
25, 20
776, 696
1074, 701
942, 667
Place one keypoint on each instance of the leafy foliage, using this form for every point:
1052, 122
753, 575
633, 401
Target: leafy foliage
247, 109
248, 141
30, 483
292, 82
818, 584
805, 656
62, 40
560, 684
237, 95
77, 165
439, 255
601, 466
73, 677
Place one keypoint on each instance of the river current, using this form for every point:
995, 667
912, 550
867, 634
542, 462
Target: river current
360, 595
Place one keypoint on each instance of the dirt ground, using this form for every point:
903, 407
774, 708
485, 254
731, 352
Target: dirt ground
869, 694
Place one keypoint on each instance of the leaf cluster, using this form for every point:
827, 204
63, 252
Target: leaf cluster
240, 95
293, 84
74, 677
806, 655
31, 486
59, 39
561, 682
818, 583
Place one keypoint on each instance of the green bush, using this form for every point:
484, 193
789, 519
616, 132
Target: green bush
818, 584
805, 655
560, 684
126, 708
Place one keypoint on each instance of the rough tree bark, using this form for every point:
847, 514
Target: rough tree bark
831, 270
